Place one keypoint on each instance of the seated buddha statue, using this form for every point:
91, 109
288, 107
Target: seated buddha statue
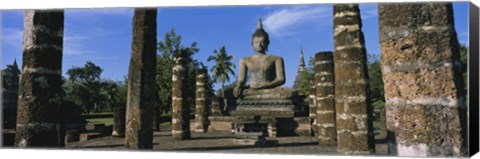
267, 75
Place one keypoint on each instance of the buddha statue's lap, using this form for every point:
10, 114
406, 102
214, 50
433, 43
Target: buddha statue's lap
272, 93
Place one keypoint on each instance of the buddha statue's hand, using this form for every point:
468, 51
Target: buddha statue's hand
257, 87
261, 86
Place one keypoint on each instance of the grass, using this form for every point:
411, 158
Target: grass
106, 121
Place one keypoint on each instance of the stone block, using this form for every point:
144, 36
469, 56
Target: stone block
94, 127
89, 136
72, 136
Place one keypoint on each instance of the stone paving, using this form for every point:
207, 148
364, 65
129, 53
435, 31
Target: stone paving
220, 142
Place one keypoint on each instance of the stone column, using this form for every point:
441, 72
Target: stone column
201, 102
216, 110
141, 81
423, 82
180, 113
39, 100
312, 103
325, 97
119, 121
352, 102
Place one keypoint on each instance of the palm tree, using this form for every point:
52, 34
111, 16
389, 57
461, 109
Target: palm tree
223, 66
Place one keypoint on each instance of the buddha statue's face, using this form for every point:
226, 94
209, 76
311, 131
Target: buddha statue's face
260, 44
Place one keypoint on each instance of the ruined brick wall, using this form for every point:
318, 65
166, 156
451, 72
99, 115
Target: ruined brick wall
423, 83
352, 105
39, 102
325, 99
141, 81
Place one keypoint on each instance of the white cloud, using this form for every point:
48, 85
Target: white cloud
99, 11
70, 48
368, 11
281, 22
75, 42
12, 37
463, 37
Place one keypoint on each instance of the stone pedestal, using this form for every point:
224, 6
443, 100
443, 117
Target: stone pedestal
141, 81
325, 91
253, 139
266, 125
220, 124
39, 101
423, 82
352, 103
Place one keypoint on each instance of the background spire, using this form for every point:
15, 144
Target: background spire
302, 61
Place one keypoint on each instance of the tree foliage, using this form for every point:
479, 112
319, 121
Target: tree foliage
306, 79
170, 44
87, 90
90, 72
223, 66
10, 73
376, 82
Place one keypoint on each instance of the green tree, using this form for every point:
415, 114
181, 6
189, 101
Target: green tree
83, 86
307, 77
90, 72
10, 73
223, 66
170, 44
376, 82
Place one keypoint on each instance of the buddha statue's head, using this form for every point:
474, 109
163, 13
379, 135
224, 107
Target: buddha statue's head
260, 40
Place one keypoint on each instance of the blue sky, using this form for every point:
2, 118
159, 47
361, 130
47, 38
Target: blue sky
104, 35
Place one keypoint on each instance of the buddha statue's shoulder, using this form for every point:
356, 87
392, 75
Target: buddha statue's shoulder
273, 57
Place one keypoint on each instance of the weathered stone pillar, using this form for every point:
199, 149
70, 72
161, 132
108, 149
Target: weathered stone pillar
119, 121
352, 102
39, 102
325, 97
423, 81
216, 110
39, 94
181, 111
141, 81
312, 103
201, 102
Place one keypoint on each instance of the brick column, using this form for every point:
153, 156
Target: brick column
423, 82
325, 91
312, 103
216, 107
39, 96
201, 102
180, 113
352, 102
141, 81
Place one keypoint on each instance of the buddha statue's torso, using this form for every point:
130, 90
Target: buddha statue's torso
261, 69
